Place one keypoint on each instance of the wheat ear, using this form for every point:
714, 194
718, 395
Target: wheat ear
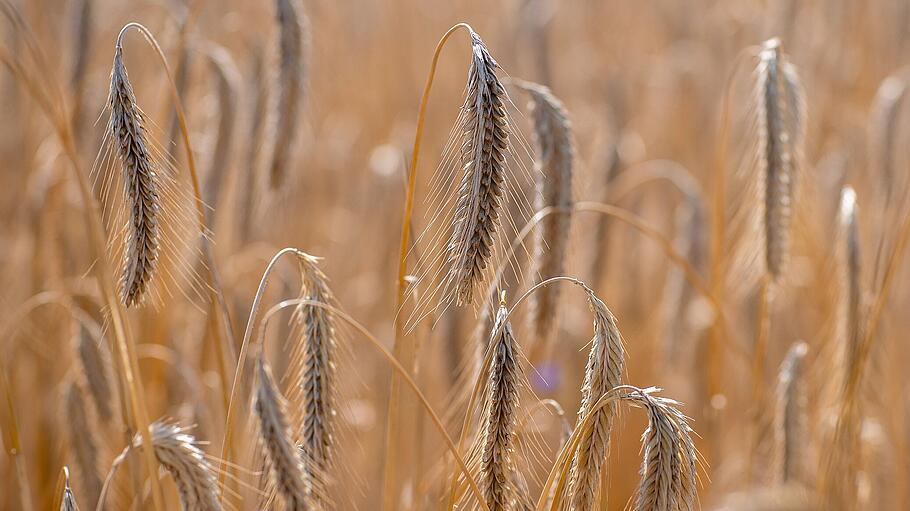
668, 468
227, 78
68, 502
140, 186
83, 441
291, 75
485, 145
790, 430
178, 453
317, 381
603, 372
850, 280
840, 473
555, 158
285, 465
95, 368
496, 467
781, 121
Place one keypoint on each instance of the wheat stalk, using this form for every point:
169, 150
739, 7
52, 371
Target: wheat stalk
82, 45
285, 465
602, 373
140, 186
485, 145
555, 158
790, 431
496, 466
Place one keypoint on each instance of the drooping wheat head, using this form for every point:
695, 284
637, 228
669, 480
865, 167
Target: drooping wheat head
314, 355
284, 463
96, 370
178, 452
485, 146
790, 428
83, 441
226, 79
669, 460
291, 75
140, 186
555, 157
496, 464
68, 502
603, 371
781, 120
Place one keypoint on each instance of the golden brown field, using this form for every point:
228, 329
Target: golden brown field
584, 255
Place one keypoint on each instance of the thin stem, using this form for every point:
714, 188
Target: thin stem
759, 355
404, 344
639, 225
241, 362
13, 444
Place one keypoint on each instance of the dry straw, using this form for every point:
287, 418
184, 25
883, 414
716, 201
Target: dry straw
496, 465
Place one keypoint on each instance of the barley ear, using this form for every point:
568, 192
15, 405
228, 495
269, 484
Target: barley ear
316, 387
669, 459
284, 464
140, 187
179, 454
485, 146
496, 465
781, 122
555, 157
790, 429
83, 441
603, 372
68, 502
290, 83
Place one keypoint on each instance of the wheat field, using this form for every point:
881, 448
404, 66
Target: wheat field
412, 255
